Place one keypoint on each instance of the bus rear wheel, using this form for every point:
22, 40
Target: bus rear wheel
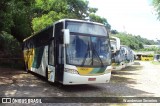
47, 73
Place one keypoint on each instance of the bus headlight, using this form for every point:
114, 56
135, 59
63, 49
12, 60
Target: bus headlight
73, 71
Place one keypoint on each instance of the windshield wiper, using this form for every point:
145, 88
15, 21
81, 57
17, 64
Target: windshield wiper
96, 54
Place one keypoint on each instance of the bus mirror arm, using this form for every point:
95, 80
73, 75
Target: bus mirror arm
66, 36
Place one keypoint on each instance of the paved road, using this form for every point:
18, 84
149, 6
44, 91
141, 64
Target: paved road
139, 80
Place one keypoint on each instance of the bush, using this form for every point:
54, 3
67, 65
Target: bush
10, 52
9, 46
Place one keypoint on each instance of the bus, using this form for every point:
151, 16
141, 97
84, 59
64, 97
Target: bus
157, 57
147, 57
129, 55
117, 54
71, 52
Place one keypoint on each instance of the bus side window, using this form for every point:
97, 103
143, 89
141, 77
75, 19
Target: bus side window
51, 53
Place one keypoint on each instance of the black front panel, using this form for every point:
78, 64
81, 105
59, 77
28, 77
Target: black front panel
58, 52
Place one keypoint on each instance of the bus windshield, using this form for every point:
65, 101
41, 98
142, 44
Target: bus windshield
88, 51
89, 45
86, 28
113, 43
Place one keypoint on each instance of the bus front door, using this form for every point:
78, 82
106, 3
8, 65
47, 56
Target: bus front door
50, 73
59, 65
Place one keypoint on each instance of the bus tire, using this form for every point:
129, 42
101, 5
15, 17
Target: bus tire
47, 73
26, 67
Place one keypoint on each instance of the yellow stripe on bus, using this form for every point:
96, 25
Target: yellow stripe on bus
28, 57
84, 70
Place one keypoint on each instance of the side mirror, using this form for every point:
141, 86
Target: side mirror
66, 36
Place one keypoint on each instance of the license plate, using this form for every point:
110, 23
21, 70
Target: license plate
91, 79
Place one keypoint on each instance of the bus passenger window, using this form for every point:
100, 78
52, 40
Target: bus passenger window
51, 53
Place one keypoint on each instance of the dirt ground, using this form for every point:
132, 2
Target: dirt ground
139, 80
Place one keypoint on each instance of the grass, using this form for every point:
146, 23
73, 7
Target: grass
155, 62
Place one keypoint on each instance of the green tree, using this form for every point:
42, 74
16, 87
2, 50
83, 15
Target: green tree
39, 23
21, 18
114, 32
9, 45
156, 4
5, 18
49, 11
15, 18
99, 19
134, 42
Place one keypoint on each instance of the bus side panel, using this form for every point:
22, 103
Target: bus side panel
28, 57
40, 60
37, 59
146, 58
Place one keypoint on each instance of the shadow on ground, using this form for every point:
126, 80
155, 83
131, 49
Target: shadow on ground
136, 63
129, 70
18, 83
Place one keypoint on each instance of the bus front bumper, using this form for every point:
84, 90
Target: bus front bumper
130, 63
73, 79
116, 68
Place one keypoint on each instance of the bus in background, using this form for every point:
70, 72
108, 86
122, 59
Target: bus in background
118, 55
129, 55
157, 57
146, 57
70, 52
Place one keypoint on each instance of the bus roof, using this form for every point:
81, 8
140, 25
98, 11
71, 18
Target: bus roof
62, 20
37, 33
76, 20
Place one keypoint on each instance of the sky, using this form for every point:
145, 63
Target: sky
135, 17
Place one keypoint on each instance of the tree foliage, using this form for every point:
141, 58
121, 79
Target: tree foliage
47, 12
9, 47
21, 18
5, 15
99, 19
114, 31
156, 4
15, 18
134, 42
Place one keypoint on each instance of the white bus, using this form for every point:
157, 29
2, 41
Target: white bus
129, 55
157, 57
117, 54
71, 52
